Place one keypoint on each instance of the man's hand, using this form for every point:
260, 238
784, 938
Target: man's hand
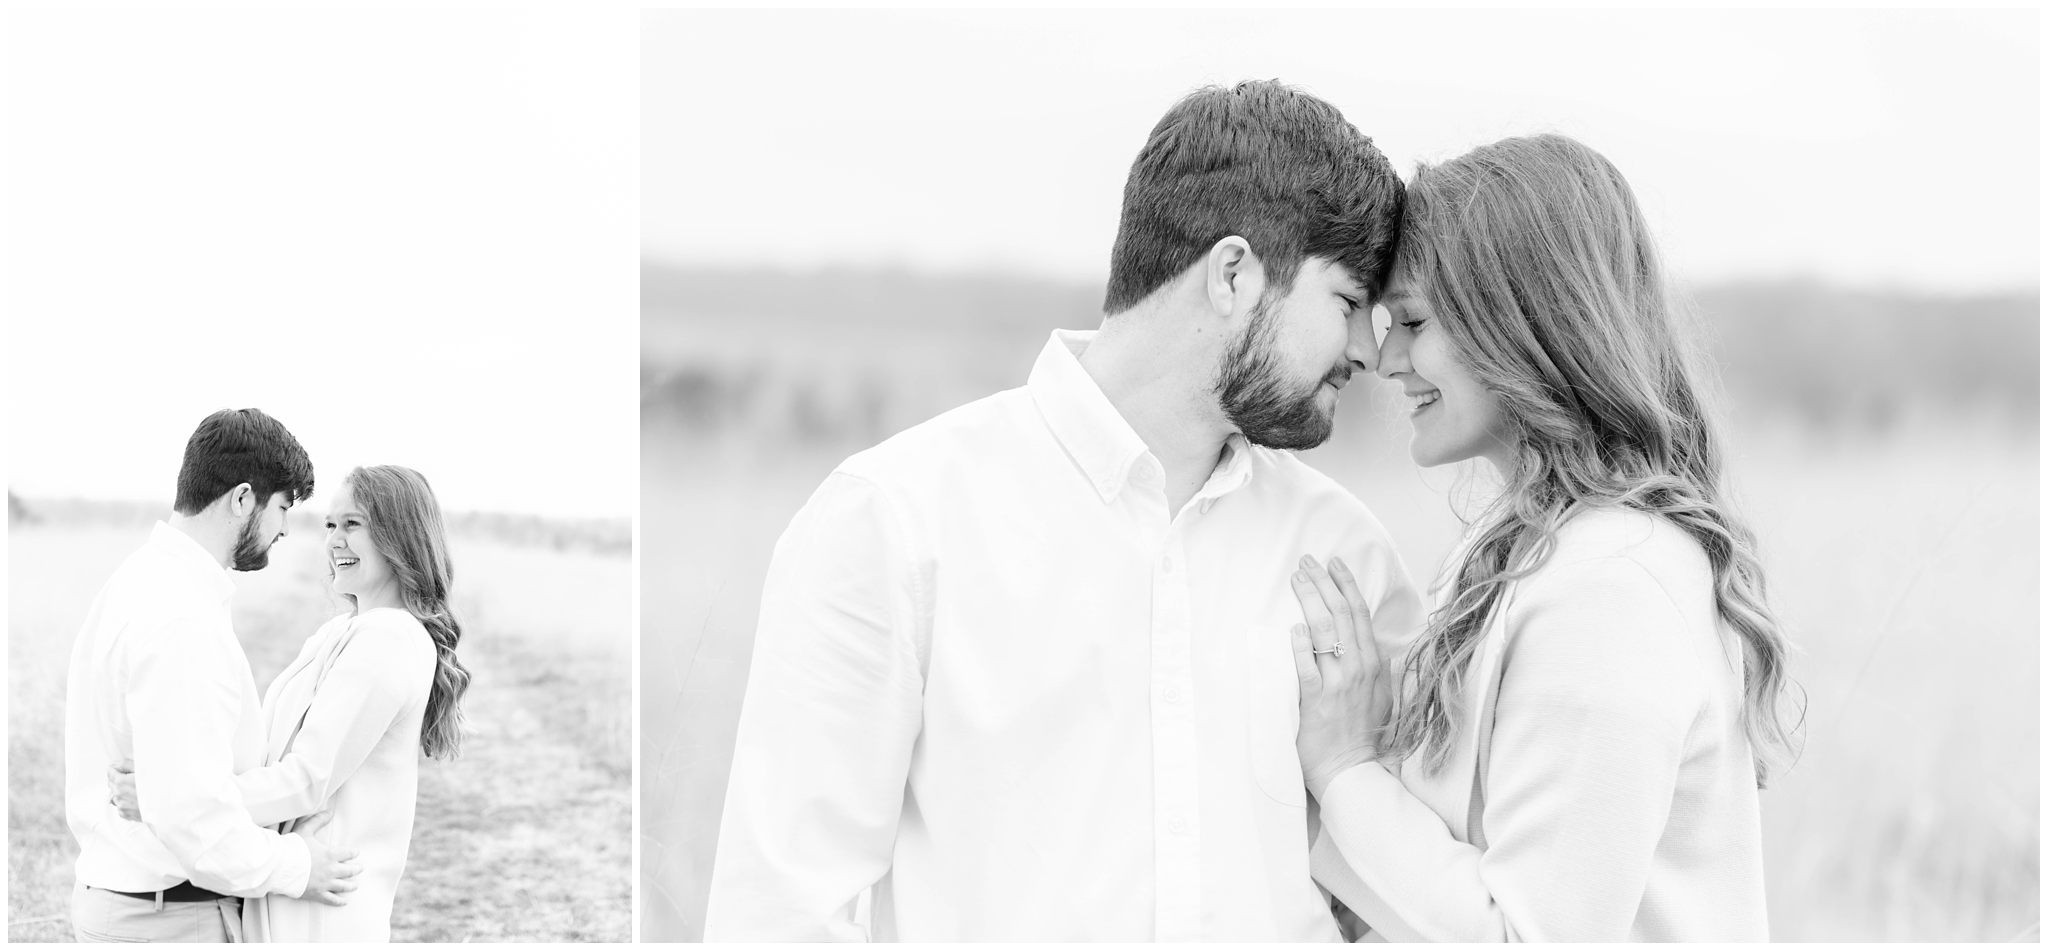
333, 869
121, 792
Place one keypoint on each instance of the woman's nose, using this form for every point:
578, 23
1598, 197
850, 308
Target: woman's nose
1394, 353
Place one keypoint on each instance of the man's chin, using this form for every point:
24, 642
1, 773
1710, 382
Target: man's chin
1303, 435
252, 560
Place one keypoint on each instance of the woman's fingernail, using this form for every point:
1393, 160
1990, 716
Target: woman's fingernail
1308, 561
1301, 576
1337, 564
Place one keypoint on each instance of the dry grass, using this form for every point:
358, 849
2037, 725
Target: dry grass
526, 837
1907, 568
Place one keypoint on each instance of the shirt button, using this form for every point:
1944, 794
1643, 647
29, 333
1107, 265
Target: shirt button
1166, 564
1177, 826
1172, 695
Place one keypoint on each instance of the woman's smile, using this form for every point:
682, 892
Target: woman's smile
1421, 400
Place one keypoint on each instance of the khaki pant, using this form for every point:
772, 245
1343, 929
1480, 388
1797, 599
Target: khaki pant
100, 915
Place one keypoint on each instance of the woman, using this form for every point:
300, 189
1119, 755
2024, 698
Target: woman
1571, 749
371, 690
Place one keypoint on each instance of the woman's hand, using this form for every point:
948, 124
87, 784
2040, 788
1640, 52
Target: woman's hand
1342, 706
121, 792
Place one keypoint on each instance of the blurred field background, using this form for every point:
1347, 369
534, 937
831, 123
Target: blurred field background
526, 837
1885, 448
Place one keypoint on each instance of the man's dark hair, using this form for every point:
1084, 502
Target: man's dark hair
234, 446
1264, 161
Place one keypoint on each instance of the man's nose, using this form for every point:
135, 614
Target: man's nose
1362, 351
1394, 354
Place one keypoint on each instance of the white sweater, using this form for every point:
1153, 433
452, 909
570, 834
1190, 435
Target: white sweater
1615, 788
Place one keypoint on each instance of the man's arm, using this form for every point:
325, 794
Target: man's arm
183, 704
833, 707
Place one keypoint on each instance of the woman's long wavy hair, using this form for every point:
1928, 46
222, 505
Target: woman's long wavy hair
405, 525
1542, 273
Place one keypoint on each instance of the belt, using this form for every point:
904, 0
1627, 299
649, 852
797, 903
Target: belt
183, 891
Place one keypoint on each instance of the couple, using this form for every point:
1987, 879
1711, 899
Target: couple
1092, 659
203, 815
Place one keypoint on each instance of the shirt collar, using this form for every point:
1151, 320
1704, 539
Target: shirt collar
1097, 437
183, 550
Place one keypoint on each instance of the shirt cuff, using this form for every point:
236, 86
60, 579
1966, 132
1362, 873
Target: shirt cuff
294, 868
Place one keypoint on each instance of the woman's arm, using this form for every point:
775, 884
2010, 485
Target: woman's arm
385, 667
1597, 697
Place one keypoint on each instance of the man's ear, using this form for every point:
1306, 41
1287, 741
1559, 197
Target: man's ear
242, 500
1233, 279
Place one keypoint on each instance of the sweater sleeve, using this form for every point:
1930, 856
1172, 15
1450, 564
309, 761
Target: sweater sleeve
386, 668
1597, 697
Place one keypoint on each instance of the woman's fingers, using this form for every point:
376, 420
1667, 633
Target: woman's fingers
1340, 633
1322, 625
1305, 660
1360, 613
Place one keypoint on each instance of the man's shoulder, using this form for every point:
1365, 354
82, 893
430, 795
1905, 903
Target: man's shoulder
962, 434
150, 580
150, 591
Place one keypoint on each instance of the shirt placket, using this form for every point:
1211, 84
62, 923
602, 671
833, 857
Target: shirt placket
1176, 818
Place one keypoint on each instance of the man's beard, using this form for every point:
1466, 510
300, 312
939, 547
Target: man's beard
250, 553
1256, 396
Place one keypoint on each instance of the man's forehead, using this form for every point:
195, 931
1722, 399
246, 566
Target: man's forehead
1337, 273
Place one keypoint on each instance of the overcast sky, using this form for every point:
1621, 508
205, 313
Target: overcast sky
1895, 148
409, 235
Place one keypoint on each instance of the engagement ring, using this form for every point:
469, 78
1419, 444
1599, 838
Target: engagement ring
1337, 650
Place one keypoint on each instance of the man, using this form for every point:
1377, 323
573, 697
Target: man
158, 680
1024, 669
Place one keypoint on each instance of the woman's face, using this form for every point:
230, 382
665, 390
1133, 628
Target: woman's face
359, 568
1454, 418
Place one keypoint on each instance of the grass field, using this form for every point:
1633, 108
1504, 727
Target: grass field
527, 837
1906, 565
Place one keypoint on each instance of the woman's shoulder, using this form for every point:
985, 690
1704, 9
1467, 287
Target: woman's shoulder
393, 627
1623, 538
1620, 609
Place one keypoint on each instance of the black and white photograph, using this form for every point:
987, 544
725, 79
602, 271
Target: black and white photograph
1365, 474
320, 475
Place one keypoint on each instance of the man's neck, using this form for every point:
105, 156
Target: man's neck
210, 531
1158, 372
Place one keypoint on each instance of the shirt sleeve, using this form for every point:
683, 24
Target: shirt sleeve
184, 705
386, 667
834, 703
1597, 697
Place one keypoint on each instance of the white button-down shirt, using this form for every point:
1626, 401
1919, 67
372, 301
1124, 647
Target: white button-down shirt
158, 680
996, 682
